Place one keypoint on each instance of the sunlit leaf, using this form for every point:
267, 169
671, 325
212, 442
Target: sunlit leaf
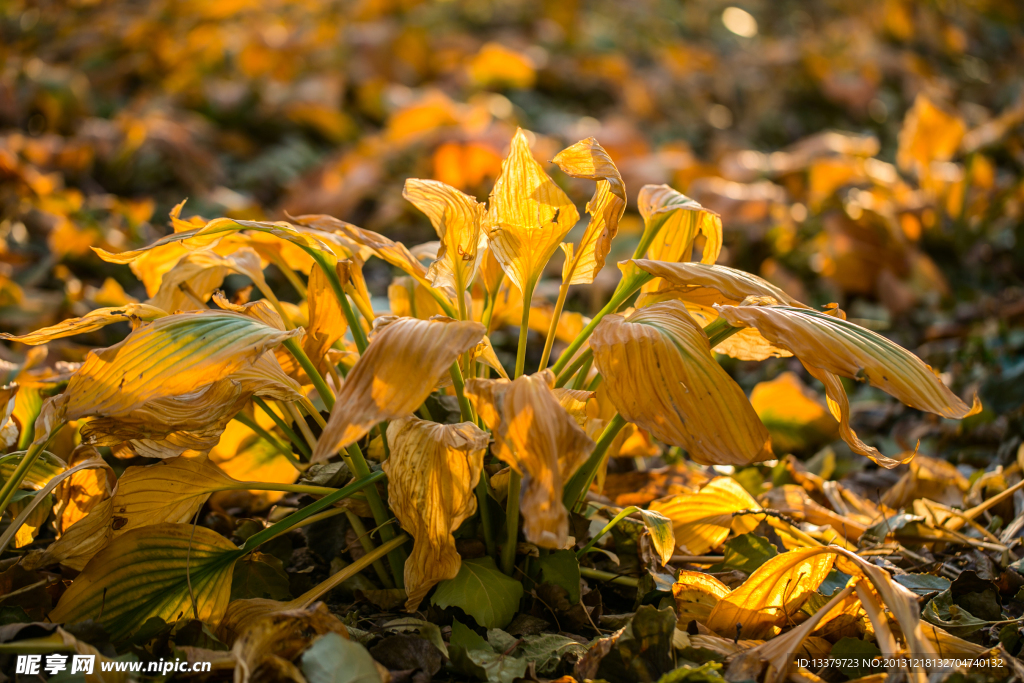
156, 571
101, 317
696, 594
661, 376
528, 216
702, 521
401, 366
771, 594
327, 323
172, 356
432, 473
457, 219
675, 220
834, 345
587, 159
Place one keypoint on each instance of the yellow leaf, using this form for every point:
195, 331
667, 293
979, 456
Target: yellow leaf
528, 216
101, 317
408, 298
456, 217
535, 435
675, 220
839, 406
771, 596
327, 323
9, 431
702, 521
168, 491
794, 415
928, 134
498, 66
699, 282
173, 356
432, 473
401, 366
696, 594
152, 572
77, 495
661, 376
587, 159
832, 344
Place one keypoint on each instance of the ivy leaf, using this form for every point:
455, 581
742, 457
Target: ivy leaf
746, 553
482, 591
855, 650
474, 656
942, 612
562, 569
547, 650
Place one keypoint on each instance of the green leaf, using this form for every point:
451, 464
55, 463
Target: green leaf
562, 569
474, 656
260, 576
482, 591
153, 571
923, 584
745, 553
851, 650
333, 659
547, 650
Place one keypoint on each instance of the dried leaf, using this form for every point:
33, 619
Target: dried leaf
587, 159
401, 366
457, 219
101, 317
540, 440
702, 521
432, 474
837, 346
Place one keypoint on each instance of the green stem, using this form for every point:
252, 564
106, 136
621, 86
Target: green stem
481, 488
579, 483
584, 358
287, 488
595, 383
275, 530
298, 441
563, 290
508, 551
607, 527
21, 471
282, 266
266, 436
524, 330
459, 385
314, 374
335, 580
625, 290
381, 517
718, 331
581, 376
339, 293
367, 543
589, 573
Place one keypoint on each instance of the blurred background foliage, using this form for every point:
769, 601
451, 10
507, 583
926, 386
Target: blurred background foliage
867, 153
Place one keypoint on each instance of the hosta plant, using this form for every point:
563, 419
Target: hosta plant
337, 380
